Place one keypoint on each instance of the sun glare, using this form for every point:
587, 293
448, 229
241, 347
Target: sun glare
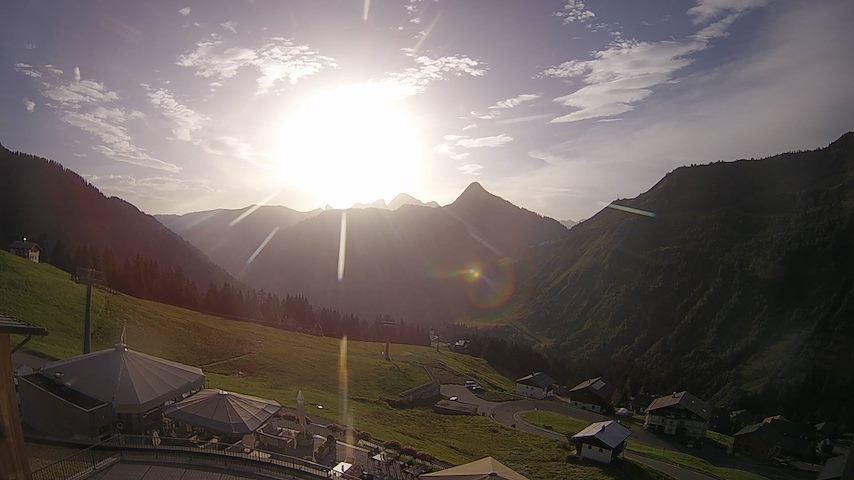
355, 143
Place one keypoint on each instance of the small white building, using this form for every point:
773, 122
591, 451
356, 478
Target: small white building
601, 441
26, 249
536, 385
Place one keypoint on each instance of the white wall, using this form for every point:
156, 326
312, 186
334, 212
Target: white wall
599, 454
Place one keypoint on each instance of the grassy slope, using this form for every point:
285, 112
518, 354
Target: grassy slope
571, 426
281, 363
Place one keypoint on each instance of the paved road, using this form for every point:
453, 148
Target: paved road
508, 414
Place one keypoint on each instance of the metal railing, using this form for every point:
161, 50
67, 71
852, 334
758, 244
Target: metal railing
77, 465
182, 451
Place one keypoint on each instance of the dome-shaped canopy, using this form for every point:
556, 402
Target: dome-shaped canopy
132, 382
223, 412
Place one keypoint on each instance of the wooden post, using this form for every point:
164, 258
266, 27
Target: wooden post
14, 463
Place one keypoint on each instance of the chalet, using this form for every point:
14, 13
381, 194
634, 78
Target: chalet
741, 418
536, 385
26, 249
775, 436
601, 441
680, 414
593, 394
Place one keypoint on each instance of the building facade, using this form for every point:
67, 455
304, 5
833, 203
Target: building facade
680, 414
593, 394
536, 385
25, 249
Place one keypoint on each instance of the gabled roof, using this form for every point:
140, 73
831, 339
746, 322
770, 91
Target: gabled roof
684, 400
608, 432
596, 385
748, 430
223, 412
537, 379
486, 468
132, 382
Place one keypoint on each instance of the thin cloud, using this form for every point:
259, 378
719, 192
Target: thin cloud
454, 146
27, 70
514, 101
706, 10
470, 168
229, 25
427, 70
574, 11
53, 70
276, 61
184, 119
29, 105
626, 72
89, 106
184, 11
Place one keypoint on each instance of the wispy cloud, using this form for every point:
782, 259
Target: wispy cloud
229, 25
706, 10
90, 106
185, 120
470, 168
494, 111
276, 61
189, 125
427, 70
184, 11
625, 73
455, 146
27, 70
53, 70
574, 11
30, 105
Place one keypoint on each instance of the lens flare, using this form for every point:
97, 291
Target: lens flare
343, 387
489, 286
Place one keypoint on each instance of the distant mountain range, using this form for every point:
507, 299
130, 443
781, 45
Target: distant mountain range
397, 202
409, 259
734, 280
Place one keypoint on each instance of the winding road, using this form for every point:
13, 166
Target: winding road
509, 414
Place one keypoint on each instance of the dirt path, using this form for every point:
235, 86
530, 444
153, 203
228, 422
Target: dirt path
226, 360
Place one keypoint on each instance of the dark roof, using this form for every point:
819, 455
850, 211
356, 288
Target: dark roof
537, 379
684, 400
23, 245
12, 325
223, 412
132, 382
69, 395
608, 432
596, 385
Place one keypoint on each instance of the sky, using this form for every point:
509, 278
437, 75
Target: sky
558, 106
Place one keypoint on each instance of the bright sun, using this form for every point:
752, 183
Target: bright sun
350, 144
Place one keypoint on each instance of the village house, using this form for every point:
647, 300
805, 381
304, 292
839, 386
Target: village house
26, 249
775, 436
681, 414
536, 385
593, 394
601, 441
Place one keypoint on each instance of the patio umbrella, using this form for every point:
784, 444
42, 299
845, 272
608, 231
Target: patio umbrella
484, 469
223, 412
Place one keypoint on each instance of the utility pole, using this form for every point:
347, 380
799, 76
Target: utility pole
88, 276
387, 323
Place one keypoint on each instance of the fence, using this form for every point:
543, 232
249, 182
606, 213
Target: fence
179, 451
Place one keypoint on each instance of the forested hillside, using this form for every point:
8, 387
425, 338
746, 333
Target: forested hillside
739, 288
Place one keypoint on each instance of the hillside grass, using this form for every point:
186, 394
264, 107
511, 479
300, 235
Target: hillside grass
276, 364
570, 426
